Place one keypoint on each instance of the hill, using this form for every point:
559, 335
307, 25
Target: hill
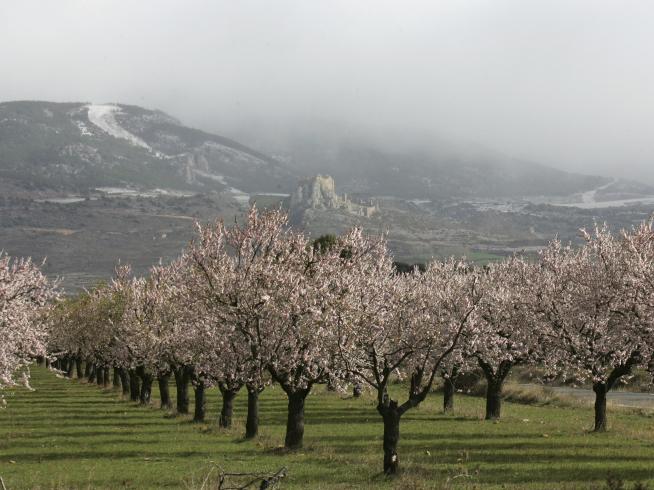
48, 147
88, 185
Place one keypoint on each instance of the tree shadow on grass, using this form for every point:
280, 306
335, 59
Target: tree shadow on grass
557, 475
114, 455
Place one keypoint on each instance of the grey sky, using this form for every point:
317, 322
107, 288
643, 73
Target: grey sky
569, 83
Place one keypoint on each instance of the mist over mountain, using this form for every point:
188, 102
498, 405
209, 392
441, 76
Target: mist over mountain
559, 83
48, 147
393, 162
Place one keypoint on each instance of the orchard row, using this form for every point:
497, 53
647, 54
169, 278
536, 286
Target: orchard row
258, 303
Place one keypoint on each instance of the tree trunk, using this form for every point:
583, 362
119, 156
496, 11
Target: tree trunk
107, 376
146, 386
134, 386
40, 361
295, 421
182, 379
494, 398
124, 381
78, 367
87, 369
494, 382
600, 390
391, 416
116, 377
164, 391
99, 375
252, 422
70, 368
448, 394
200, 402
145, 394
225, 419
91, 378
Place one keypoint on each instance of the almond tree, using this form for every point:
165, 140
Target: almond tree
639, 254
458, 364
68, 331
505, 335
265, 291
159, 332
230, 271
24, 294
213, 281
65, 333
190, 338
103, 320
61, 338
143, 329
182, 335
296, 335
390, 325
591, 304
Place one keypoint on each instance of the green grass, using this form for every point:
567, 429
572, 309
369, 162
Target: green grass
67, 434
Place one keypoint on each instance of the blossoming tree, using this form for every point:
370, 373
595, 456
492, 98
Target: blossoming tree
405, 325
505, 335
590, 303
24, 293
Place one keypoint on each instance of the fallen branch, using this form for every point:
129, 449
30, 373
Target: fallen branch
264, 481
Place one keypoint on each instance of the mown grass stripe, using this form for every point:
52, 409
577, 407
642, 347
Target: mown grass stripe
68, 434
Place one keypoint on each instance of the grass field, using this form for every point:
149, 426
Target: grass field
67, 434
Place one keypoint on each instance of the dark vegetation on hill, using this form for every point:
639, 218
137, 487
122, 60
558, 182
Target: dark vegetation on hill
46, 146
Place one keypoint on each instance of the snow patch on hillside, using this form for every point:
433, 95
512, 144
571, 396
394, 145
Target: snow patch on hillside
589, 197
103, 116
207, 175
232, 155
84, 131
241, 196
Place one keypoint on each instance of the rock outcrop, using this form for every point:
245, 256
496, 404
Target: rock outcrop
316, 193
319, 192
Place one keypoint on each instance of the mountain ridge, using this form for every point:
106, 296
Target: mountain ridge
57, 167
75, 147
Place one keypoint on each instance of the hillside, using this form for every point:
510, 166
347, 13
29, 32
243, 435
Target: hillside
64, 148
48, 147
89, 185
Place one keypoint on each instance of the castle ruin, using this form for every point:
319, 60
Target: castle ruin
319, 192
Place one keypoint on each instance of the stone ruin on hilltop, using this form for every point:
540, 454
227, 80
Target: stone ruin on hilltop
319, 192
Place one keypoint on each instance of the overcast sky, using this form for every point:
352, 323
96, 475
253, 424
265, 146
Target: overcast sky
568, 83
